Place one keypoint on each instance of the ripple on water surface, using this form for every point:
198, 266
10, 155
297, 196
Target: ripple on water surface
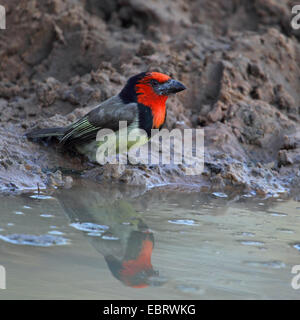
40, 197
89, 227
35, 240
267, 264
220, 195
183, 222
251, 243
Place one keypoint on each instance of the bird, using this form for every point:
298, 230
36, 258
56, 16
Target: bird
141, 103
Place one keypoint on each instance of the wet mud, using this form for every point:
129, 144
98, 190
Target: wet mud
238, 59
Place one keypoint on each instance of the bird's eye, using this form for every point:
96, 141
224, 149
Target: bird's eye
154, 82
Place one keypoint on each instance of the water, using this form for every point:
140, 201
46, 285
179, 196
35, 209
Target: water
103, 242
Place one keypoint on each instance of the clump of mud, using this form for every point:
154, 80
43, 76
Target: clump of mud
239, 61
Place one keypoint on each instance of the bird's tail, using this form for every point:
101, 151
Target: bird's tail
44, 133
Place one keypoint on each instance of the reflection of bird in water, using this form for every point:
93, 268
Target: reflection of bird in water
135, 267
124, 239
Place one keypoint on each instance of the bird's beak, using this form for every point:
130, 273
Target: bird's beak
171, 86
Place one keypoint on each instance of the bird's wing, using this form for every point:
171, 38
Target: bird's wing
105, 116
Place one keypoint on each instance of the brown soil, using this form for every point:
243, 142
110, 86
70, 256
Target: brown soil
240, 61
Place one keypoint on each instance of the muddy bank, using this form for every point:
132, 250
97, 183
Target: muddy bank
239, 61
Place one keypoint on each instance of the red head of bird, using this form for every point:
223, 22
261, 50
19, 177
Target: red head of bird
151, 89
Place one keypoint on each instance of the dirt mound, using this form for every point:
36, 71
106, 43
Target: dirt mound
238, 59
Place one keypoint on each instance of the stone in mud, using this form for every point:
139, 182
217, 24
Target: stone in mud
147, 48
